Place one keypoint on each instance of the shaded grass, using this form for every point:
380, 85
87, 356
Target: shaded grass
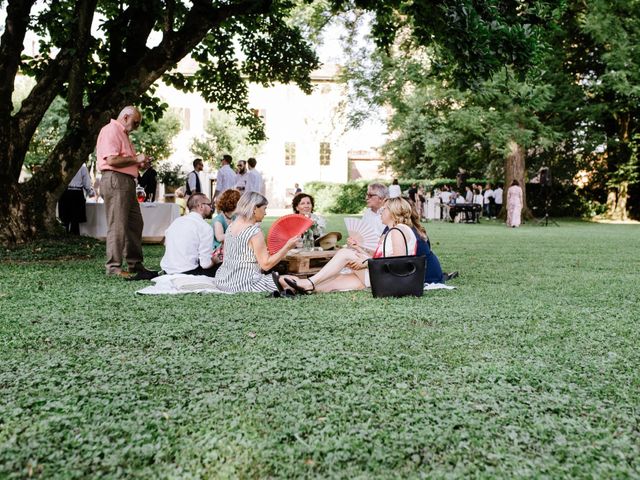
529, 368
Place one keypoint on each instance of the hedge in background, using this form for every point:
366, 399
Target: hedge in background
346, 198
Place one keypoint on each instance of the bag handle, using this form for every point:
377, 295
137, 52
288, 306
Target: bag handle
389, 269
384, 242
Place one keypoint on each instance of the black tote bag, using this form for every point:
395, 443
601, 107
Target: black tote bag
397, 276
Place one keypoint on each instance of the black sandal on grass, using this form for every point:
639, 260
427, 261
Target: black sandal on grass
284, 292
293, 284
275, 276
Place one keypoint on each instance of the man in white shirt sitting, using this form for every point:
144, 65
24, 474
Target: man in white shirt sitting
376, 195
189, 241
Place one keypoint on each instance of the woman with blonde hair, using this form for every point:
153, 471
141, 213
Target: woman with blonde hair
395, 212
245, 251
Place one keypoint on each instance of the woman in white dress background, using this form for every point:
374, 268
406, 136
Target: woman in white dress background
514, 205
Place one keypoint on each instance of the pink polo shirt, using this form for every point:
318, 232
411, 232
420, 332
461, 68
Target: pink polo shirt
114, 140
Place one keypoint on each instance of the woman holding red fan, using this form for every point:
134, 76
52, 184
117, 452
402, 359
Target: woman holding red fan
245, 251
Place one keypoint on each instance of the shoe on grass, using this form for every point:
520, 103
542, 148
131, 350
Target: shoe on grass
143, 274
120, 274
450, 276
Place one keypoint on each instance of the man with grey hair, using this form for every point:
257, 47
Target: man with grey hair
120, 165
376, 195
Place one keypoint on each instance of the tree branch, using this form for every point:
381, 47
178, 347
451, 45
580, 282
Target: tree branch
125, 87
11, 46
140, 25
77, 75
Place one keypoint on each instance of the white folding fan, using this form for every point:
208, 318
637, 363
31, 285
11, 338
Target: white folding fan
362, 232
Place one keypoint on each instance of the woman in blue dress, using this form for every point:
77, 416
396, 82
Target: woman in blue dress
433, 272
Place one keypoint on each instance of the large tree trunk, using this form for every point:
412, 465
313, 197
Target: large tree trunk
25, 213
29, 209
515, 169
617, 202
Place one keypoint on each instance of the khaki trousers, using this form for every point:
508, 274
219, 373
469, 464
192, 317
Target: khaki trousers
124, 222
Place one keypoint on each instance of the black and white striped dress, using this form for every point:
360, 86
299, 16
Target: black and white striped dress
240, 271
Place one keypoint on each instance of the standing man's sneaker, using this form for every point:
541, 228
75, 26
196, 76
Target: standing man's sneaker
120, 274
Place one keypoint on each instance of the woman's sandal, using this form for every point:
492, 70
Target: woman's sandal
293, 284
275, 276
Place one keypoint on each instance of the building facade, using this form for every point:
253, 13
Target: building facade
307, 135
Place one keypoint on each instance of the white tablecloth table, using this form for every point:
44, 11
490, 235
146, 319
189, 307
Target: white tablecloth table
157, 218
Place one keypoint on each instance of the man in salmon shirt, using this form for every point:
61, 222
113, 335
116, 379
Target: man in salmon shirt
119, 164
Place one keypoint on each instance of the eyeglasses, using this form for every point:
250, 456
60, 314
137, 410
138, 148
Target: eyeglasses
207, 204
369, 195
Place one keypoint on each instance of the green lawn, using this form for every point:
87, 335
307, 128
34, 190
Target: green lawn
530, 368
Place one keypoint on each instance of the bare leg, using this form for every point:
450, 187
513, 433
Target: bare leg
331, 270
335, 265
349, 281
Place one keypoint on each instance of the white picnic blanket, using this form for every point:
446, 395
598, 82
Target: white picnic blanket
180, 283
437, 286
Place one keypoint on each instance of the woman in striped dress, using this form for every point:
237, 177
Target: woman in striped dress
245, 250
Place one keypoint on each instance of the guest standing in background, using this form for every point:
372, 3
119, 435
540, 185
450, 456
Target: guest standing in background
193, 178
226, 178
255, 183
148, 181
488, 201
72, 208
497, 200
394, 189
241, 176
514, 205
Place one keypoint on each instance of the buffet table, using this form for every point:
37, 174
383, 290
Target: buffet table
157, 218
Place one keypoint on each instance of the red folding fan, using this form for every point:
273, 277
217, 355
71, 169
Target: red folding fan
284, 228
